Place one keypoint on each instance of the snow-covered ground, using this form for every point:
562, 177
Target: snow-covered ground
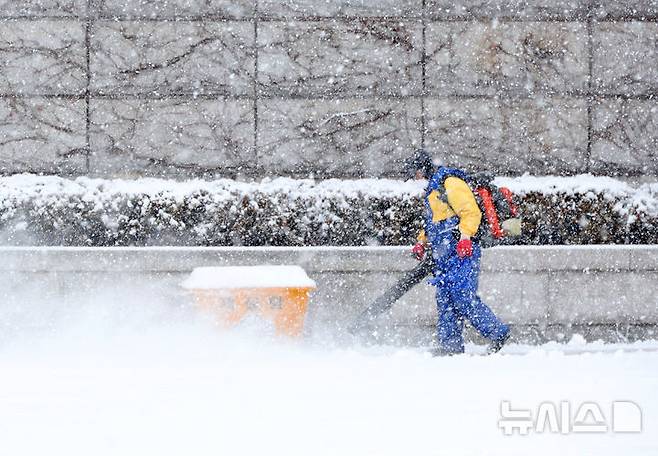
141, 378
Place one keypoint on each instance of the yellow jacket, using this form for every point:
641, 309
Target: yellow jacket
461, 202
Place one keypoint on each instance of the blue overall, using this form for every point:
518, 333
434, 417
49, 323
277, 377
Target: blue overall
456, 279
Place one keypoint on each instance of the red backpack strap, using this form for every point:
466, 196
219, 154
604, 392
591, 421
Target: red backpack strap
509, 197
490, 212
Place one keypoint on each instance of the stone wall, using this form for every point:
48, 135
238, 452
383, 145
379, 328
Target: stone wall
338, 88
545, 293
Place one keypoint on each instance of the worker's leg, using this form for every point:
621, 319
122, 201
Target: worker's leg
463, 284
450, 323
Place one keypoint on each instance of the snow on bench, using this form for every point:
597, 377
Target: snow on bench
233, 277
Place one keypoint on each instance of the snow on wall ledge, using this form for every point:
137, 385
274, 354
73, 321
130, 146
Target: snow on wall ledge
546, 292
49, 210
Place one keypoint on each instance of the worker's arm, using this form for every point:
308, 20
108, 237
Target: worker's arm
461, 200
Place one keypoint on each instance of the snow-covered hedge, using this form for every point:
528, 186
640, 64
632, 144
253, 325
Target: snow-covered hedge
47, 210
586, 209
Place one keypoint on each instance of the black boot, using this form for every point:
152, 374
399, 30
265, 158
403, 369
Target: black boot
497, 344
440, 351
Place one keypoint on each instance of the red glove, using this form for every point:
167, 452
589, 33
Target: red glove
464, 248
419, 251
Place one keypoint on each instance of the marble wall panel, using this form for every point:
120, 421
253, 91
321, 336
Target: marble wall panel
625, 137
172, 57
169, 137
352, 137
42, 135
624, 58
499, 91
322, 58
540, 136
339, 8
42, 57
41, 8
174, 8
614, 9
488, 58
522, 9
